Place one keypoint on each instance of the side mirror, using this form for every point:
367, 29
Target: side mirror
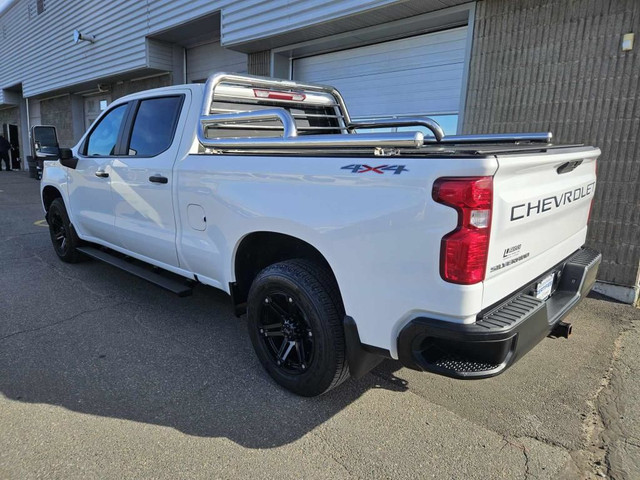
67, 159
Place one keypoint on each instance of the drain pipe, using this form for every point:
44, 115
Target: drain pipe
25, 165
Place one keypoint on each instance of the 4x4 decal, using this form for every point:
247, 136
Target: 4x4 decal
380, 169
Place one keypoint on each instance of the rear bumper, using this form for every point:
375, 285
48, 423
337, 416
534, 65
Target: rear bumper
502, 334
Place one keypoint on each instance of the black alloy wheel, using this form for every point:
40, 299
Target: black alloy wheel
58, 233
62, 235
295, 316
286, 332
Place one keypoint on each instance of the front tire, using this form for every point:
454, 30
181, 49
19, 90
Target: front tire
295, 324
63, 237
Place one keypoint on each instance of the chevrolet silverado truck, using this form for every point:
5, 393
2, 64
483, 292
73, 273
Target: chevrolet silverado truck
344, 242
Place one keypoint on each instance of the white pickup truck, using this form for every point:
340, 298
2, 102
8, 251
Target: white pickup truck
343, 242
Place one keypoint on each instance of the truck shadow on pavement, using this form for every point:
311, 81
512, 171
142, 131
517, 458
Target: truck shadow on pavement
95, 340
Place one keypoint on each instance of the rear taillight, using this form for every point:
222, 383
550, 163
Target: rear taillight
463, 252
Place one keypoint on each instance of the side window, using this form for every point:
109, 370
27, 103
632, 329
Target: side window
102, 141
154, 126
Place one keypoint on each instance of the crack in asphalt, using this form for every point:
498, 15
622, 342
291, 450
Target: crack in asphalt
71, 278
633, 444
331, 454
505, 438
59, 322
589, 444
548, 442
611, 406
525, 452
607, 408
523, 449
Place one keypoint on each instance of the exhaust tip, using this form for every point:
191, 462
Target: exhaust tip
562, 329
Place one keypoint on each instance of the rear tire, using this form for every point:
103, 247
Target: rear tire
295, 317
63, 237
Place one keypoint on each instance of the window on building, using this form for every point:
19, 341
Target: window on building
154, 126
36, 7
102, 141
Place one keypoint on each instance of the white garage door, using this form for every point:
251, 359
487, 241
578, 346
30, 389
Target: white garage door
419, 75
204, 60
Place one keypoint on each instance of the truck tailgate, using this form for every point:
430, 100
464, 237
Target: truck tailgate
541, 207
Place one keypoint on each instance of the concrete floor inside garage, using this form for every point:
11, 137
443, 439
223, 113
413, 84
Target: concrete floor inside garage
105, 376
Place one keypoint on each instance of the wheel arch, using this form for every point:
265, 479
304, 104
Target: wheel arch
259, 249
49, 194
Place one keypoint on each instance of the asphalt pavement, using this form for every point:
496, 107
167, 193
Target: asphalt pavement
103, 375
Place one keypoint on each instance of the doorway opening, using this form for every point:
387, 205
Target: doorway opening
11, 133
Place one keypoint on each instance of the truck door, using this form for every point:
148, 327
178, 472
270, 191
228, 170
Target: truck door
44, 144
90, 182
142, 181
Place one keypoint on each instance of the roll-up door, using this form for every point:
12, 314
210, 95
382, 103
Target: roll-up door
209, 58
420, 75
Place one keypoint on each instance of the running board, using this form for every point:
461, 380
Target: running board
175, 286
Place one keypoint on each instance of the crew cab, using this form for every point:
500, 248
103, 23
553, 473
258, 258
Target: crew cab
344, 242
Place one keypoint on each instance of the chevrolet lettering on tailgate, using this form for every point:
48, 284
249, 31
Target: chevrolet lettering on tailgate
548, 203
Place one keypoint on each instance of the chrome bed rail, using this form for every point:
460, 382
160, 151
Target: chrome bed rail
432, 125
290, 139
540, 137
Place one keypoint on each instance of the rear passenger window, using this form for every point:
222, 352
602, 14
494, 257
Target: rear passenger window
154, 126
102, 141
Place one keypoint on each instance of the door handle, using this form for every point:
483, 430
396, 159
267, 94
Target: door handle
158, 179
101, 174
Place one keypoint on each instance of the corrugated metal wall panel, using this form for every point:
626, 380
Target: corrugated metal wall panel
164, 14
45, 47
247, 20
159, 54
413, 76
34, 45
206, 59
557, 65
259, 63
12, 22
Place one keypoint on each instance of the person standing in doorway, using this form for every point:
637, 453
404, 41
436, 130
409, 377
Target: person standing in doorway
5, 147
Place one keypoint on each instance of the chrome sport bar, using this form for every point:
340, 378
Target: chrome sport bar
399, 139
432, 125
280, 114
265, 82
291, 140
